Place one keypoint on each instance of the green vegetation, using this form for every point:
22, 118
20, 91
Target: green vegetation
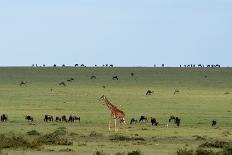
204, 94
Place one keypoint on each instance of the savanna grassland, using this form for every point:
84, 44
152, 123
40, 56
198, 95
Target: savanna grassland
205, 94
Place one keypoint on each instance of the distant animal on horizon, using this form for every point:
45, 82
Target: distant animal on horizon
154, 121
149, 92
22, 83
70, 80
62, 83
48, 118
143, 119
176, 91
213, 123
29, 118
74, 118
4, 118
115, 78
133, 120
93, 77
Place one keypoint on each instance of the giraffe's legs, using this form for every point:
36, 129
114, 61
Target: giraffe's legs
115, 125
109, 124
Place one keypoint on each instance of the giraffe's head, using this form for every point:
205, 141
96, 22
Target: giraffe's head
102, 98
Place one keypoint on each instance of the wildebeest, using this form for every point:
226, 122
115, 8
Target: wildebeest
177, 121
70, 80
48, 118
4, 117
115, 78
58, 119
176, 91
93, 77
149, 92
171, 118
62, 83
22, 83
76, 65
133, 120
29, 118
74, 118
143, 119
111, 65
213, 123
154, 122
64, 119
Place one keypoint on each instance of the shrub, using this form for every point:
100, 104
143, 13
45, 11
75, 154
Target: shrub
58, 137
227, 150
137, 152
185, 151
120, 153
33, 132
201, 151
95, 134
99, 153
215, 144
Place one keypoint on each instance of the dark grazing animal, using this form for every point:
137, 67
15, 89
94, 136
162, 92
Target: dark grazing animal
58, 119
177, 121
154, 122
143, 119
48, 118
22, 83
74, 118
93, 77
115, 78
176, 91
4, 117
62, 83
213, 123
133, 120
149, 92
29, 118
70, 80
64, 119
171, 118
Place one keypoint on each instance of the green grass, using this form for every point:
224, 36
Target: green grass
199, 101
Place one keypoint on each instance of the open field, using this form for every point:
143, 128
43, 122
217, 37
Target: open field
205, 94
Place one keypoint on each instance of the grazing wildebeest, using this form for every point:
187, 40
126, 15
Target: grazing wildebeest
133, 120
177, 121
154, 122
4, 117
76, 65
149, 92
70, 80
74, 118
29, 118
58, 119
93, 77
64, 119
54, 65
115, 78
213, 123
111, 65
48, 118
82, 65
143, 119
176, 91
62, 83
22, 83
172, 118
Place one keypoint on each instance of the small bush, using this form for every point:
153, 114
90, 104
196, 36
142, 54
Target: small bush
120, 153
33, 132
95, 134
16, 142
58, 137
66, 150
99, 153
215, 144
227, 150
137, 152
201, 151
185, 151
120, 138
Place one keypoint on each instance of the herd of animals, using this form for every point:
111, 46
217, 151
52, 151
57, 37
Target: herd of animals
47, 118
142, 119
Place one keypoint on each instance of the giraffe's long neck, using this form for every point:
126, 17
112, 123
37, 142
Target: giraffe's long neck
108, 104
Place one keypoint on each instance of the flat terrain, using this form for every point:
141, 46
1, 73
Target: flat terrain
205, 94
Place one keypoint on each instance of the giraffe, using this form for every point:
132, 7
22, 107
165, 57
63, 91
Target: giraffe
115, 112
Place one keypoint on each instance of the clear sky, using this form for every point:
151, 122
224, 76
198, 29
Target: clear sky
119, 32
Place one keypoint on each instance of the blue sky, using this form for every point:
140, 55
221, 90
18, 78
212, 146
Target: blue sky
119, 32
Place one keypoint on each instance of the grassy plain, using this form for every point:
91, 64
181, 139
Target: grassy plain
200, 100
